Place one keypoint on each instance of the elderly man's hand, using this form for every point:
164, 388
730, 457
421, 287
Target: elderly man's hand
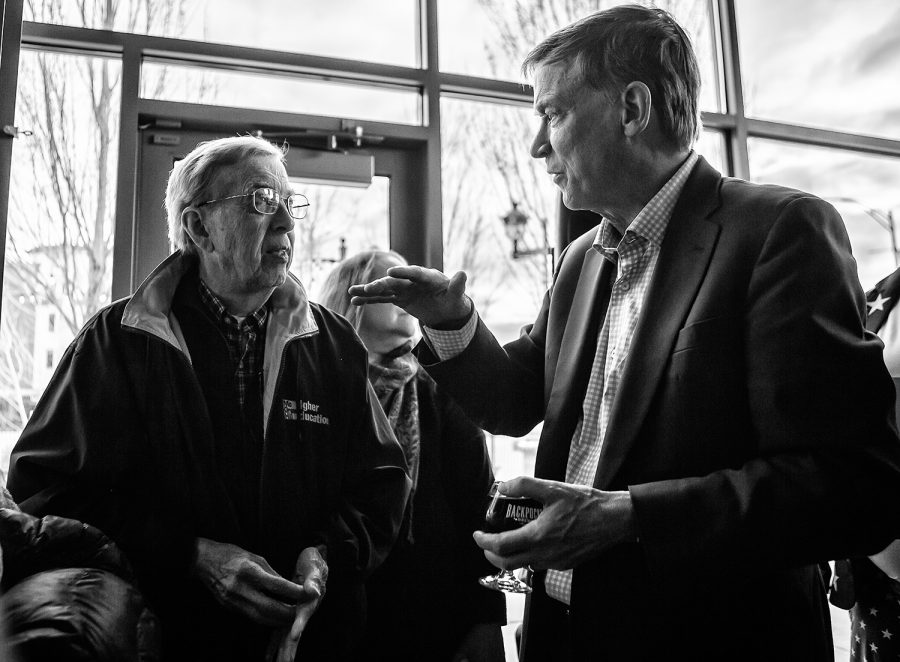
577, 524
426, 294
246, 583
311, 574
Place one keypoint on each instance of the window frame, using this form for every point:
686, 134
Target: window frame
10, 40
428, 80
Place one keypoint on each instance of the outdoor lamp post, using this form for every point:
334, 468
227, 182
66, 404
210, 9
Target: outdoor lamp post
514, 224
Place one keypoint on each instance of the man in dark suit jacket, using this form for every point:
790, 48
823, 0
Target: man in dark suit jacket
716, 418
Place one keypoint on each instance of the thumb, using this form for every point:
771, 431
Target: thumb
525, 486
313, 586
457, 285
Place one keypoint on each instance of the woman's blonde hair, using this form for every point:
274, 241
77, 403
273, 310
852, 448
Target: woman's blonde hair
354, 270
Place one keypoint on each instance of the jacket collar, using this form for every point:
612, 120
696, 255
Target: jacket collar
150, 307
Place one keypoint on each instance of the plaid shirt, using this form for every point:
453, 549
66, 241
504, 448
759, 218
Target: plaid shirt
635, 254
246, 340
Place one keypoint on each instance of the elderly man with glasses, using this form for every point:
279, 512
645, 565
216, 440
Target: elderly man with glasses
220, 427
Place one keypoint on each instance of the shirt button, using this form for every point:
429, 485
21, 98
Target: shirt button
625, 286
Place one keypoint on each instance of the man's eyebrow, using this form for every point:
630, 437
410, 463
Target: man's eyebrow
259, 182
541, 103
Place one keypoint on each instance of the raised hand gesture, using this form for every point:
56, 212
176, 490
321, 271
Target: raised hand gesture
427, 294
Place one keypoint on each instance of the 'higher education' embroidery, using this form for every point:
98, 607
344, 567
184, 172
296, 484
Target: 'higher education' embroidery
307, 411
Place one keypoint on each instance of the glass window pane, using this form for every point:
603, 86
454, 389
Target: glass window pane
59, 236
711, 146
339, 28
865, 190
342, 221
490, 38
191, 84
486, 168
821, 63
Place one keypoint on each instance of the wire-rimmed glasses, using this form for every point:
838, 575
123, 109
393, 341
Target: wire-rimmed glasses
266, 201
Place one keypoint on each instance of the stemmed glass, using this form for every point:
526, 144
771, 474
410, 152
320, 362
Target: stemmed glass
505, 513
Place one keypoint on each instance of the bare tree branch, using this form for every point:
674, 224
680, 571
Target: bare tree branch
60, 226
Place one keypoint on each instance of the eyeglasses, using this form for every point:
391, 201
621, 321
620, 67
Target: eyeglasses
267, 200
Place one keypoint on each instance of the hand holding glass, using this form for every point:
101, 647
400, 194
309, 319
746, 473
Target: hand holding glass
506, 513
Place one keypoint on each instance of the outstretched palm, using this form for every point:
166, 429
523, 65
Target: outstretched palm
426, 294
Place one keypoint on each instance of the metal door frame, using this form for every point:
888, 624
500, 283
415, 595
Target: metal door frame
402, 160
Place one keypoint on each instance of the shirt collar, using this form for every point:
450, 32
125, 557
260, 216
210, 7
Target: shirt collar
652, 220
221, 313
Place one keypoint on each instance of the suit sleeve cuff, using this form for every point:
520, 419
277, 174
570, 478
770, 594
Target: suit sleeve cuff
446, 345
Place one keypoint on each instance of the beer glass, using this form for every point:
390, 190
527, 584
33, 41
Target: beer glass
505, 513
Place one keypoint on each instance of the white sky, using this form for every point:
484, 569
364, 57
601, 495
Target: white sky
828, 63
352, 29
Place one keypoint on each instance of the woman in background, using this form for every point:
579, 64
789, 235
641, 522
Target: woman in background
424, 603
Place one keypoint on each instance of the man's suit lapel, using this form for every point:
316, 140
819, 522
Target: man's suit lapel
683, 260
576, 356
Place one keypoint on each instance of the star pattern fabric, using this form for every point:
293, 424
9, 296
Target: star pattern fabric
880, 300
875, 618
877, 304
874, 598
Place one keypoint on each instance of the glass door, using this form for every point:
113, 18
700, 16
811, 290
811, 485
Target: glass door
360, 198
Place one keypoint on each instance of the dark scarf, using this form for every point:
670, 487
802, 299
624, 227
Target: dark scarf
393, 378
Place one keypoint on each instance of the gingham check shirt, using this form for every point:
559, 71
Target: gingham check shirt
245, 340
635, 255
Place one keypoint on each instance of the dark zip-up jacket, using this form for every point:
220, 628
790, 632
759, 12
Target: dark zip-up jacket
122, 439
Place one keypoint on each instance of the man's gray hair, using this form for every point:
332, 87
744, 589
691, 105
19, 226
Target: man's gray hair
190, 181
628, 43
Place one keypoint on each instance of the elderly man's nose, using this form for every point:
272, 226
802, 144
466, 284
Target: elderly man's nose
282, 219
540, 146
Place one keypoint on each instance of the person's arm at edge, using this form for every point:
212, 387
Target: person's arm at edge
888, 560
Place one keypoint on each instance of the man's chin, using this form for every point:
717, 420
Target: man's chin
572, 204
270, 280
571, 201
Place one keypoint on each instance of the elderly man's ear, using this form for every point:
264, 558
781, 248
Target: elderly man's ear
195, 227
636, 105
